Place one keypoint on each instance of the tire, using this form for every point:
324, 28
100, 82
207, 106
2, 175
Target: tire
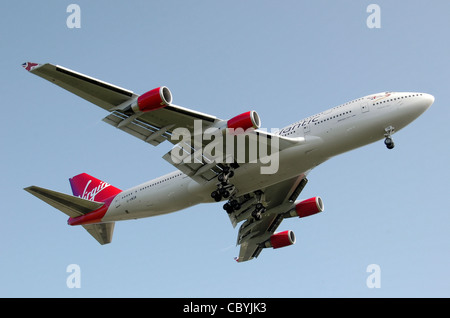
389, 143
235, 204
256, 215
216, 196
227, 207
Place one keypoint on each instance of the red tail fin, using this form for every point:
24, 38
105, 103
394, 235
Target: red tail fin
87, 187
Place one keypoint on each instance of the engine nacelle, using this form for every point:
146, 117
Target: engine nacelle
281, 239
307, 207
244, 121
152, 100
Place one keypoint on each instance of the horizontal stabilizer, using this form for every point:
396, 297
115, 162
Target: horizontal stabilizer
74, 207
70, 205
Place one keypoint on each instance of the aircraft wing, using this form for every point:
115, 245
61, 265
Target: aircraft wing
153, 127
98, 92
279, 200
157, 125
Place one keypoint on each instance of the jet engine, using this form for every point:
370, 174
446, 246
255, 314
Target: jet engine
281, 239
244, 121
306, 207
152, 100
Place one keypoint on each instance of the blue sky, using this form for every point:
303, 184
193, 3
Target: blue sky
285, 59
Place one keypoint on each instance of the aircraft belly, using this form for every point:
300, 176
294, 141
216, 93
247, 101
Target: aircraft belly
291, 162
153, 202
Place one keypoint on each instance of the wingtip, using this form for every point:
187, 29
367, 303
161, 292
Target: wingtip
29, 66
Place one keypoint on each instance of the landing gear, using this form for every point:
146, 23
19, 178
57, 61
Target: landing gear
223, 191
259, 210
231, 206
389, 142
224, 188
246, 206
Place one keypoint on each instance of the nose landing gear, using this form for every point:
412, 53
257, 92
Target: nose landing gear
389, 142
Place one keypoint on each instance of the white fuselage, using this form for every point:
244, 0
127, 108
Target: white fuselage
327, 134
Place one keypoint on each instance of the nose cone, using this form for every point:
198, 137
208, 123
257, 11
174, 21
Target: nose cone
428, 100
418, 103
412, 106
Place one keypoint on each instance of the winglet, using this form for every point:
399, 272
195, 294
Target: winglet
29, 66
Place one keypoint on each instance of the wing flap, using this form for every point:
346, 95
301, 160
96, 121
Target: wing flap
139, 128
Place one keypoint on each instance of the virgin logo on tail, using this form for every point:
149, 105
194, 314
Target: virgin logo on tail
91, 194
89, 188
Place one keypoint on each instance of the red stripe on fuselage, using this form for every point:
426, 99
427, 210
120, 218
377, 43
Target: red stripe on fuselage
95, 216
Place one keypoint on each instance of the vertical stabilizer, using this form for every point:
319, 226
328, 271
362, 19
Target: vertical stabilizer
90, 188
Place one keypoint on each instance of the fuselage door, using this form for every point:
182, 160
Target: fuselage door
306, 129
364, 106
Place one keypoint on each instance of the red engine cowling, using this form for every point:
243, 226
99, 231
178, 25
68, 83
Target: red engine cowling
244, 121
281, 239
155, 99
309, 207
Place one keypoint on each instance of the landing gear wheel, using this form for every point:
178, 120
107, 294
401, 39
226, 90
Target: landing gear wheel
216, 196
231, 206
235, 205
224, 193
256, 215
227, 173
259, 210
228, 207
389, 143
224, 188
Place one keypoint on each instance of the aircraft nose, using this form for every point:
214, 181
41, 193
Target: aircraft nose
416, 104
421, 103
428, 100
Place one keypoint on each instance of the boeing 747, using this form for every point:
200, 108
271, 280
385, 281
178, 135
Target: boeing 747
257, 174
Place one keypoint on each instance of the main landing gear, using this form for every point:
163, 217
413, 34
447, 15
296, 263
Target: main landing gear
258, 211
224, 188
248, 203
253, 204
227, 190
389, 142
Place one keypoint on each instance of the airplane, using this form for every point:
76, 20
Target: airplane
208, 172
